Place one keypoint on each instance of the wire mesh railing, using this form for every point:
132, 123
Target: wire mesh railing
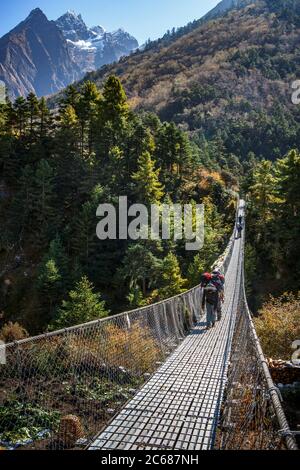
57, 390
252, 416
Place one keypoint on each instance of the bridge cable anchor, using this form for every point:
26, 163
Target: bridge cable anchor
288, 433
276, 389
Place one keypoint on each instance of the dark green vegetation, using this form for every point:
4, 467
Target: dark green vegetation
227, 83
274, 227
291, 396
57, 167
31, 422
14, 417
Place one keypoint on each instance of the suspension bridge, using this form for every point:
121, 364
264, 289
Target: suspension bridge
151, 379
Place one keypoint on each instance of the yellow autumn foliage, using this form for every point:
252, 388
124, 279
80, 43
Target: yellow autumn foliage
278, 325
134, 349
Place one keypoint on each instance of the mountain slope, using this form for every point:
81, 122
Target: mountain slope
237, 68
226, 5
34, 57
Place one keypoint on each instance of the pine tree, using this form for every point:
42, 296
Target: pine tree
141, 267
286, 226
68, 117
114, 105
111, 120
70, 98
174, 156
42, 224
86, 110
21, 112
11, 117
44, 118
53, 279
288, 182
140, 139
2, 118
195, 270
23, 203
262, 191
173, 149
171, 279
135, 297
84, 305
148, 188
85, 234
59, 255
33, 113
49, 284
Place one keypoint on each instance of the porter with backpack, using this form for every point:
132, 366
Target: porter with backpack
210, 300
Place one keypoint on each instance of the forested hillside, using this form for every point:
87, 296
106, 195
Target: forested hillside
56, 168
274, 226
230, 77
209, 110
228, 83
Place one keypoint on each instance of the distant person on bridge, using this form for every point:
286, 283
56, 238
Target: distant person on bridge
210, 300
239, 230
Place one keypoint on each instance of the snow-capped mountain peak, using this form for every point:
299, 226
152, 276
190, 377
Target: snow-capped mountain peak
72, 26
98, 30
94, 47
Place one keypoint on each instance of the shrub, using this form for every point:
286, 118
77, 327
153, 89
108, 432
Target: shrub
134, 349
12, 332
278, 325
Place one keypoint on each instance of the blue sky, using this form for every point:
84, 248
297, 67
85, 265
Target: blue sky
142, 18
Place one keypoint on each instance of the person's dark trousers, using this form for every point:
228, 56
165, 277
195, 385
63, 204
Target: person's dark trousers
210, 314
219, 310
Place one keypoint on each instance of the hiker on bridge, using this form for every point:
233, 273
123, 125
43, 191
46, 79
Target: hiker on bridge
219, 280
239, 230
210, 300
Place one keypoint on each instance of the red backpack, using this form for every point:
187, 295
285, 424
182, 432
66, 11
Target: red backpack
205, 279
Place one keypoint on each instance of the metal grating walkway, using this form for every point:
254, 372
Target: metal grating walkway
178, 409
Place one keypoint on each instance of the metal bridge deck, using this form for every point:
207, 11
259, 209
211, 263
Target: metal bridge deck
178, 409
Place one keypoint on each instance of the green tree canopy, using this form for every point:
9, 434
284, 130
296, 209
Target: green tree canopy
84, 305
171, 279
148, 187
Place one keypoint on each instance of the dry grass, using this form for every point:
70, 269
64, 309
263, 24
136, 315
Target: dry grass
11, 332
278, 325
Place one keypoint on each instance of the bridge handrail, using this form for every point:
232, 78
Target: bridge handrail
273, 390
71, 329
252, 412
